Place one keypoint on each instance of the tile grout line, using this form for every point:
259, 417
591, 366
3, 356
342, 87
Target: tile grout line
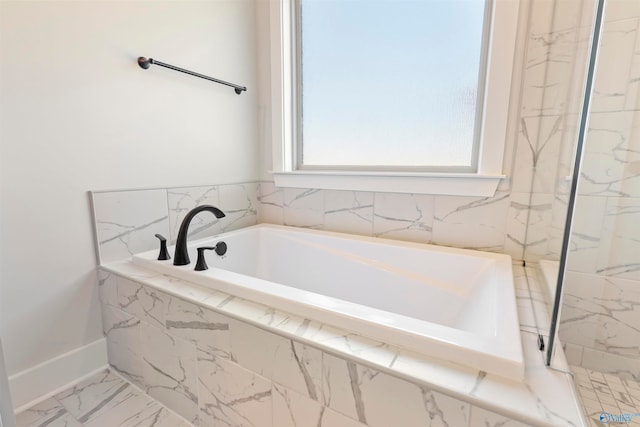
180, 417
126, 383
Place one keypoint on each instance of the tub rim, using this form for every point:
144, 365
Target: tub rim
500, 354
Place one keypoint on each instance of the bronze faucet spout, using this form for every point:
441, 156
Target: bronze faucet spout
181, 256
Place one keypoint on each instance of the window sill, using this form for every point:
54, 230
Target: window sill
393, 182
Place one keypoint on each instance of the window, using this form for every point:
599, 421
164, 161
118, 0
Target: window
361, 99
389, 85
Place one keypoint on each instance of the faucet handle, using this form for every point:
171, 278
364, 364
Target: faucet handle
201, 264
164, 253
220, 248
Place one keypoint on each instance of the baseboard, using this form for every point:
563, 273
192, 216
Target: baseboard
42, 381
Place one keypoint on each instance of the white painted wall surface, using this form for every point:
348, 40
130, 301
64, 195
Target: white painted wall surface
6, 407
78, 114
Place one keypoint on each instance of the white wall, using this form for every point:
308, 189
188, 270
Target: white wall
78, 114
6, 408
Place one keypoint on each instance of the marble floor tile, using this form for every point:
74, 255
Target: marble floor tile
103, 400
138, 411
47, 413
95, 396
607, 399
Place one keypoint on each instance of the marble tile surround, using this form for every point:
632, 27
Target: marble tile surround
465, 222
127, 220
599, 322
556, 58
600, 315
306, 373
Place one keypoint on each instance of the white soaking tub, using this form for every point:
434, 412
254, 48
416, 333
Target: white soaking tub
453, 304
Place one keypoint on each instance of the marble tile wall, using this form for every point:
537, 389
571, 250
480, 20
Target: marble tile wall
127, 220
466, 222
215, 370
552, 94
601, 307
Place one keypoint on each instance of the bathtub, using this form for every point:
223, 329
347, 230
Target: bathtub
453, 304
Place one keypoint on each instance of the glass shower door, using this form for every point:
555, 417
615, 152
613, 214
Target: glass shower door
599, 324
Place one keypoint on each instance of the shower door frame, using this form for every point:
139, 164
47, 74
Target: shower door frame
582, 133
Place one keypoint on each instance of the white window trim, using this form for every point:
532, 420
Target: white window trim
484, 183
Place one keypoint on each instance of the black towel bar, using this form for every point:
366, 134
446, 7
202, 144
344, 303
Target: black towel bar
146, 63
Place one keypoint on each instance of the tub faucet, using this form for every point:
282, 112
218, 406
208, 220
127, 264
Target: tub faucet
181, 256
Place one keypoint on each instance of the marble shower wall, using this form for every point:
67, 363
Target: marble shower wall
600, 323
552, 94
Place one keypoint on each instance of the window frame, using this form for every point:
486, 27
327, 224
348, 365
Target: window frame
497, 90
477, 131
